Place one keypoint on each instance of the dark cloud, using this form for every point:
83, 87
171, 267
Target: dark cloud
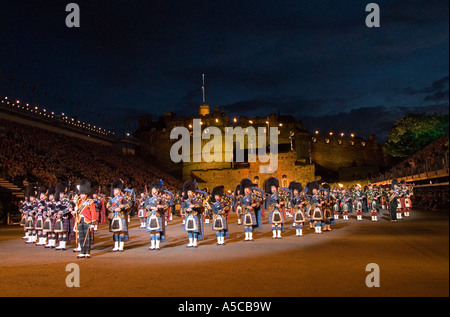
312, 58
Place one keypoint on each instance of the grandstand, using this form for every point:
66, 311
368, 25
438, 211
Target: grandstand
45, 149
428, 170
430, 165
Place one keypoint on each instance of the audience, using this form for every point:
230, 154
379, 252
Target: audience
29, 153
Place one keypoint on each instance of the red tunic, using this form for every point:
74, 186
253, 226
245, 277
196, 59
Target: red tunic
88, 210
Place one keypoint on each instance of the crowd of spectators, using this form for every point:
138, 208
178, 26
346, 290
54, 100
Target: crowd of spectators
33, 154
434, 198
434, 157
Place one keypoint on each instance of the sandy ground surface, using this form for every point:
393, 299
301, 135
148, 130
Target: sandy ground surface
412, 255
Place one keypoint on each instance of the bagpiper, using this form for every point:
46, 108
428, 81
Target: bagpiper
327, 204
49, 223
408, 202
63, 216
336, 206
274, 203
142, 213
29, 212
373, 197
298, 205
99, 204
193, 210
358, 202
220, 209
85, 216
248, 205
40, 216
118, 207
404, 200
315, 211
346, 203
154, 206
237, 206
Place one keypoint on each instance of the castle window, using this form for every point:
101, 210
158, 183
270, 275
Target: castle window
327, 140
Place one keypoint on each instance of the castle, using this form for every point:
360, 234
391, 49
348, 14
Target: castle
302, 156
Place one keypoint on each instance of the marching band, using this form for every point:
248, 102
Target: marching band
54, 216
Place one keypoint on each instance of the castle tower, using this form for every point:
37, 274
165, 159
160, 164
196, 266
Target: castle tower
203, 109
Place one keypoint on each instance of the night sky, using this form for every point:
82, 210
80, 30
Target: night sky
315, 60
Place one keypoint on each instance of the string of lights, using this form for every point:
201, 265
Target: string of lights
51, 116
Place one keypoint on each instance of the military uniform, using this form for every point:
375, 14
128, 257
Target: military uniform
315, 212
373, 197
49, 224
29, 212
358, 197
193, 210
142, 213
327, 207
40, 216
86, 216
298, 205
248, 208
393, 200
154, 207
219, 214
118, 207
63, 216
274, 203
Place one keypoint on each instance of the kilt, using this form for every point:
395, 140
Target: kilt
29, 223
49, 225
39, 223
65, 222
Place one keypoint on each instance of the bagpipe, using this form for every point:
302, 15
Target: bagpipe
257, 196
198, 202
113, 203
285, 195
229, 203
167, 198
